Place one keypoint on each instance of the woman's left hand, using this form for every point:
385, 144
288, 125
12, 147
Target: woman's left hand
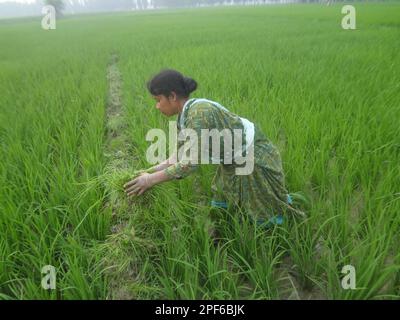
139, 185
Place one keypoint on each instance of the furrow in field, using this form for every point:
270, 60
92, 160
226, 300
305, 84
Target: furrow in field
119, 167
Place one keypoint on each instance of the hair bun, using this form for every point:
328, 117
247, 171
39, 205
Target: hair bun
190, 84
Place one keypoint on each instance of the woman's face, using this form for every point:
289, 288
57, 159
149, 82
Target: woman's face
167, 106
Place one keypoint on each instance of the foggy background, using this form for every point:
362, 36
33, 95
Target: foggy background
20, 8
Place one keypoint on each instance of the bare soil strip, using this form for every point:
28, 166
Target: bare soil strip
117, 258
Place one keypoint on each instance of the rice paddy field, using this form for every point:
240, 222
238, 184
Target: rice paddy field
74, 113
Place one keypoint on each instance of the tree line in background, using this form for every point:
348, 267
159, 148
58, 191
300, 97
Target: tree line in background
85, 6
151, 4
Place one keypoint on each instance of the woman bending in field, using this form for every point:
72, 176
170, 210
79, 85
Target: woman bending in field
261, 193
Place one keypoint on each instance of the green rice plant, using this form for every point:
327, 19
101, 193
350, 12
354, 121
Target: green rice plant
65, 156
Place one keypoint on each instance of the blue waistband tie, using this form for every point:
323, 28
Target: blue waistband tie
275, 220
219, 204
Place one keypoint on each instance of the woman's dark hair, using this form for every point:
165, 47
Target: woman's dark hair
169, 80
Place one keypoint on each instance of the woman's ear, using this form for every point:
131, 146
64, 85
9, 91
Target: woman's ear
173, 95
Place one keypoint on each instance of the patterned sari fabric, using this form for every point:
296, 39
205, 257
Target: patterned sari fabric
261, 194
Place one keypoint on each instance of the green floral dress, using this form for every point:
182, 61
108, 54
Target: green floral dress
261, 194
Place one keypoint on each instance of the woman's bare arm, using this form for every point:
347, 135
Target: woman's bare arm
165, 164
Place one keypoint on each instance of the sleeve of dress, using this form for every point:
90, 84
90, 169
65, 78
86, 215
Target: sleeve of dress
200, 116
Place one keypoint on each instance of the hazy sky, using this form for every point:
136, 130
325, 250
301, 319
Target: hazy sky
20, 1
